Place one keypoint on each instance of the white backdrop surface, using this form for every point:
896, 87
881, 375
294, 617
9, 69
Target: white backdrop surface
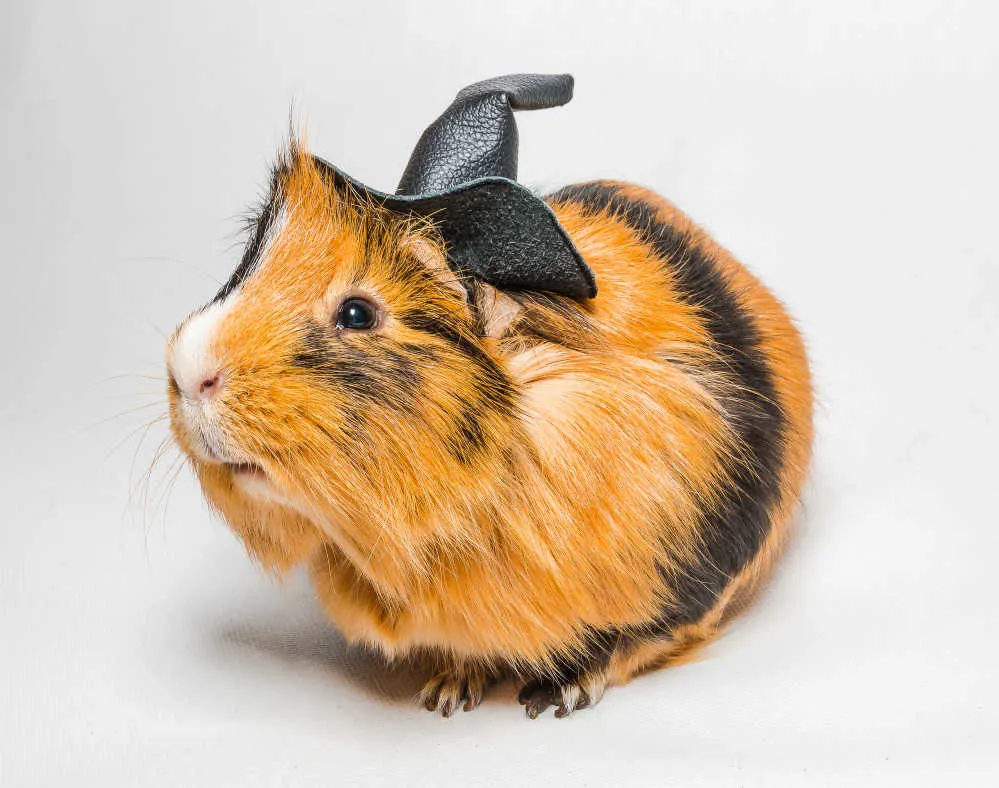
845, 151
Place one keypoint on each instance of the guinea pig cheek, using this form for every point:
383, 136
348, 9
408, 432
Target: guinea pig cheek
238, 474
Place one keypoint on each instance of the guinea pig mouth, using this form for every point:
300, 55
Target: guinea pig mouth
245, 469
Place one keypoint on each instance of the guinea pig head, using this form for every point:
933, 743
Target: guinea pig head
338, 380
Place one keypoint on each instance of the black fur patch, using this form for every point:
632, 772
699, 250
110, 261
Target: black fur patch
494, 384
734, 531
258, 225
590, 658
495, 393
595, 654
469, 436
371, 368
421, 351
544, 317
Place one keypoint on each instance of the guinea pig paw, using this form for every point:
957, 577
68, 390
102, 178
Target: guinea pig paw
446, 691
539, 694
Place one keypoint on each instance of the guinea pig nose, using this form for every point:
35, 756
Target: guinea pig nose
209, 385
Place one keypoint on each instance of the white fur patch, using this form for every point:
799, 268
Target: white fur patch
571, 695
191, 357
274, 230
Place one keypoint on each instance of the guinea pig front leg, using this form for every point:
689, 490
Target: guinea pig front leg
567, 694
576, 680
463, 682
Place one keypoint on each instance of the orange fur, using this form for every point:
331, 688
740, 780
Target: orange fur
569, 510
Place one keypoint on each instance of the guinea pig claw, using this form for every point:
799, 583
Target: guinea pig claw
537, 696
473, 697
573, 699
448, 691
449, 706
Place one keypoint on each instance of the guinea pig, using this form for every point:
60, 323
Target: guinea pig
559, 438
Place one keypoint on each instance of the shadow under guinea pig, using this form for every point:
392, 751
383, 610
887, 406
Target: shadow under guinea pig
313, 642
304, 638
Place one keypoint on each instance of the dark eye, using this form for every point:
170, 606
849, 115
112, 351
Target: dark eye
357, 314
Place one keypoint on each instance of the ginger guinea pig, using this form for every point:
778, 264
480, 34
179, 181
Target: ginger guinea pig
556, 438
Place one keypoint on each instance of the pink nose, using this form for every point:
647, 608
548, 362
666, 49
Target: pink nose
209, 386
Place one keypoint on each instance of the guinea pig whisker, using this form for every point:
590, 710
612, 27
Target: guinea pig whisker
175, 261
174, 475
161, 491
145, 427
145, 480
158, 394
143, 431
122, 414
134, 376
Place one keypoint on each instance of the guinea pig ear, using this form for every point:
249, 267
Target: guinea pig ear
434, 259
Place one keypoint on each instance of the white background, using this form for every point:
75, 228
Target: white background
845, 151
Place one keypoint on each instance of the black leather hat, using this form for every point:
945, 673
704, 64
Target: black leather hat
462, 174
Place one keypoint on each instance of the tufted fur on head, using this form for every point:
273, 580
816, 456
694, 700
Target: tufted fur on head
503, 478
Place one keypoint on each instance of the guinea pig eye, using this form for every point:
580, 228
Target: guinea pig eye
357, 314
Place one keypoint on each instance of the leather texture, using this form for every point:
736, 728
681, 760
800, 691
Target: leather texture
497, 231
476, 137
463, 173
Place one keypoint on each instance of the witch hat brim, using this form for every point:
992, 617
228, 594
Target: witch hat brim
462, 176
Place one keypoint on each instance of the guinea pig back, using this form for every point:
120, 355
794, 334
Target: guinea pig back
557, 438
